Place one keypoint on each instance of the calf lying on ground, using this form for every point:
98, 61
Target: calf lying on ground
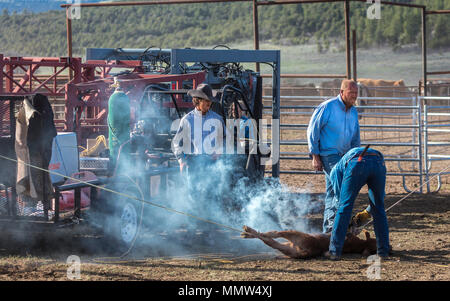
303, 245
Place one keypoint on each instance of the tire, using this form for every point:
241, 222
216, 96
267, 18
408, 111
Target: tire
122, 217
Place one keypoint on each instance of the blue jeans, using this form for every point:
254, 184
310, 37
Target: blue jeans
331, 202
371, 171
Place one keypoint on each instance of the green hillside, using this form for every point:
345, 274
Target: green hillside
170, 26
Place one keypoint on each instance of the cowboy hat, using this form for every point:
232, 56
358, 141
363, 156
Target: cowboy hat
203, 91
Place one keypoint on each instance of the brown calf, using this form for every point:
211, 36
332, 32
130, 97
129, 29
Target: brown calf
303, 245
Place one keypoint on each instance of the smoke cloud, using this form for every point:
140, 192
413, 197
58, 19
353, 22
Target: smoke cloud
218, 194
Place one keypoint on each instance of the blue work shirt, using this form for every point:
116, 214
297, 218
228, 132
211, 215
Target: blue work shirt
332, 130
337, 173
199, 134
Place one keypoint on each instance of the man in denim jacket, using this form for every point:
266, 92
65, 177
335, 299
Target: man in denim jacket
358, 167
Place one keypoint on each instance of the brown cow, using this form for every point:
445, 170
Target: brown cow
369, 87
385, 88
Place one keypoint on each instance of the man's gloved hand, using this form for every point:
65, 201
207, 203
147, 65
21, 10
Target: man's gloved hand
358, 220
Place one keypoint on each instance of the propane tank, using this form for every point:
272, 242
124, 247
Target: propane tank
118, 123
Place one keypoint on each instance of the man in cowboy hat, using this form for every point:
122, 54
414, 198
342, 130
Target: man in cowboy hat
201, 131
197, 145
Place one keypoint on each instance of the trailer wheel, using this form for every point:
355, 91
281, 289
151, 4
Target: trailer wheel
129, 221
123, 218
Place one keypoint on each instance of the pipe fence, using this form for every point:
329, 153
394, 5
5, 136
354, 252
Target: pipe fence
436, 137
411, 132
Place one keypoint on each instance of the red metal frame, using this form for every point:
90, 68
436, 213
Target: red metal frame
86, 90
22, 76
27, 69
29, 82
92, 98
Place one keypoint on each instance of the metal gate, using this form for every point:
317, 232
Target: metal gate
402, 128
436, 138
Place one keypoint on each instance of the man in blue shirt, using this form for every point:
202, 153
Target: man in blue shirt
247, 126
201, 131
358, 167
198, 145
332, 131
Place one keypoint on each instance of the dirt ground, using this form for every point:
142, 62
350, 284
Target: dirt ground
419, 234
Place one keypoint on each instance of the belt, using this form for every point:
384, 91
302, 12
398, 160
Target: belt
364, 155
368, 154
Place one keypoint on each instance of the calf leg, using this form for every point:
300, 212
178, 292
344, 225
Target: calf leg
252, 233
286, 248
271, 234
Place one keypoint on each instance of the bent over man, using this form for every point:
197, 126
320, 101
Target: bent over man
332, 131
358, 167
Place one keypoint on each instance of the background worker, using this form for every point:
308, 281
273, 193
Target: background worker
119, 118
247, 132
332, 131
358, 167
196, 126
246, 164
197, 145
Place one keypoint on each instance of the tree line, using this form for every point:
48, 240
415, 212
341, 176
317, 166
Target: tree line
200, 25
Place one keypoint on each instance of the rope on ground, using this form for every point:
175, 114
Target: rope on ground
181, 212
